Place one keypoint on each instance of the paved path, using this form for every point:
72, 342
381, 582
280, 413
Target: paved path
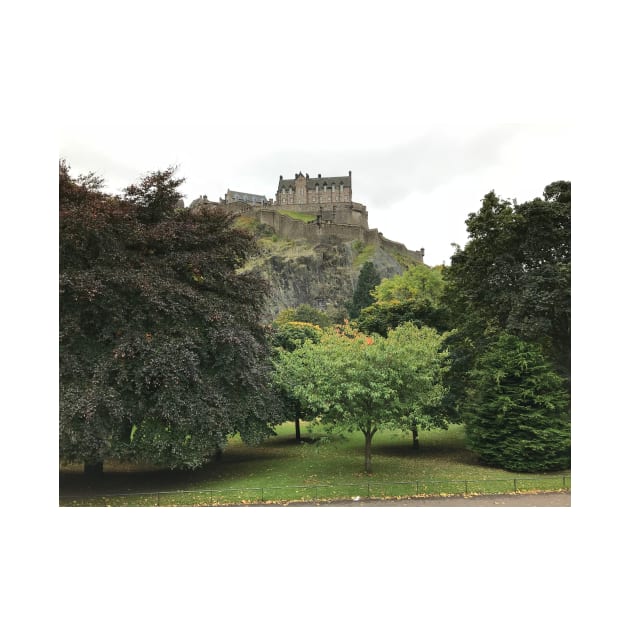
544, 499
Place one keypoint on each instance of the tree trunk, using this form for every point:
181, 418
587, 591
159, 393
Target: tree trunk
368, 449
297, 430
414, 434
93, 469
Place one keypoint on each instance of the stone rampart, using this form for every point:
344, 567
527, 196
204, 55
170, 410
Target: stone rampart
399, 247
317, 231
350, 213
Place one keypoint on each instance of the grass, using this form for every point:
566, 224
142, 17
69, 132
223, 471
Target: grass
364, 255
299, 216
280, 469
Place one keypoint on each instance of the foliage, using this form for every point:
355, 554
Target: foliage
415, 296
162, 356
514, 274
352, 381
303, 313
292, 335
517, 411
362, 297
418, 282
155, 195
288, 337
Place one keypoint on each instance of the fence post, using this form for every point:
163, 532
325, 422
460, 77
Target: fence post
262, 494
417, 488
514, 485
368, 489
158, 499
466, 486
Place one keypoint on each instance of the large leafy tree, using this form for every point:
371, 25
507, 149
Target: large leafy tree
514, 274
162, 355
352, 381
517, 411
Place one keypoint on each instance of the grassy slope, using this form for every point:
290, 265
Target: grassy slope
298, 216
319, 461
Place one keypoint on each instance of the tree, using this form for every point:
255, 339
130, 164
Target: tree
288, 337
352, 381
514, 274
414, 296
162, 354
155, 195
362, 297
517, 411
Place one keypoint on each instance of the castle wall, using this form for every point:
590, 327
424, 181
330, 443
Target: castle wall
295, 229
419, 255
347, 212
349, 223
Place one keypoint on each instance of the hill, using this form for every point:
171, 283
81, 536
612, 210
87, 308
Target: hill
322, 274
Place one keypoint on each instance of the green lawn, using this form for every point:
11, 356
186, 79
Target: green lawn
321, 467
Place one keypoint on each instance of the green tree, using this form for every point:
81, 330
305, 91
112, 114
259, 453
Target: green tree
162, 355
418, 282
517, 410
514, 274
352, 381
362, 297
414, 296
288, 337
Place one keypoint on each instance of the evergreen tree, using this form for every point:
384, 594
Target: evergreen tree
362, 297
517, 410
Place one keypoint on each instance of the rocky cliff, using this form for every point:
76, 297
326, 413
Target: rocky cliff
323, 274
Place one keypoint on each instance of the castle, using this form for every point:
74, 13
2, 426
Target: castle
315, 209
303, 189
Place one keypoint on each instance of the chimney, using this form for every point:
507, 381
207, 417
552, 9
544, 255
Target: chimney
350, 173
280, 177
319, 175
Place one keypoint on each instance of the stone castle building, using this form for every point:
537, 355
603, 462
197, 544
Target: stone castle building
324, 203
306, 190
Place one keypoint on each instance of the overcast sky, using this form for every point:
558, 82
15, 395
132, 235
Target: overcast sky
430, 105
419, 183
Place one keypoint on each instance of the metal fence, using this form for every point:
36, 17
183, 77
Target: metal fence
320, 492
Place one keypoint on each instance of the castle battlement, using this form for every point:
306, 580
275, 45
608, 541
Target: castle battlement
327, 201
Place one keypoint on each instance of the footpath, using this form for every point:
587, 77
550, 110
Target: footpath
543, 499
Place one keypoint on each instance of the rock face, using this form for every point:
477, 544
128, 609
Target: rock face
322, 275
